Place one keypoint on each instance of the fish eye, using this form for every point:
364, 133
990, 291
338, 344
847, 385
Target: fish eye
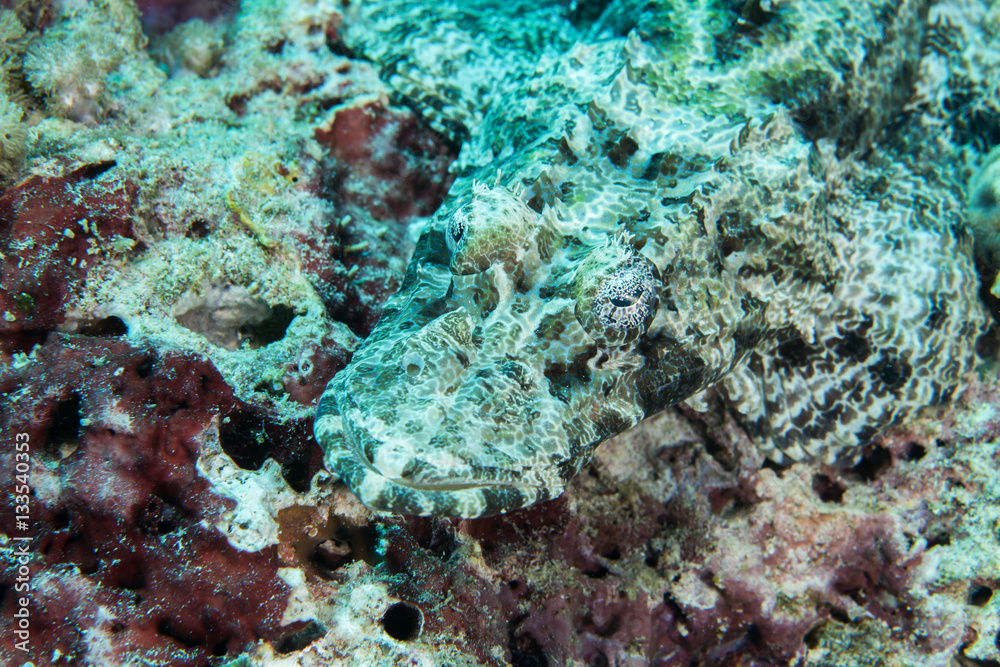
617, 296
493, 228
456, 230
629, 299
626, 297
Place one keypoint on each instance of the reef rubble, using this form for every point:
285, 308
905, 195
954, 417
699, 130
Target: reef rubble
202, 214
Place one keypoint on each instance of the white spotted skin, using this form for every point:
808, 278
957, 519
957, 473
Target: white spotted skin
745, 257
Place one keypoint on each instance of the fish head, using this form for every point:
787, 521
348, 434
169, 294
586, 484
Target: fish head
511, 350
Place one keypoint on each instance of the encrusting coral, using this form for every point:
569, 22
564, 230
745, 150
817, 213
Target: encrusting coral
13, 132
70, 62
13, 138
195, 46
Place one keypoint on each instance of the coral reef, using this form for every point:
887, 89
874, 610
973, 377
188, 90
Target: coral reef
199, 229
13, 138
54, 229
70, 62
126, 566
194, 46
13, 133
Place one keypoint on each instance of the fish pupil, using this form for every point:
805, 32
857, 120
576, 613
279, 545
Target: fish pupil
626, 300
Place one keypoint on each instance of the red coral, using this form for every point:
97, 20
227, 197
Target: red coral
386, 162
51, 230
161, 15
305, 380
384, 168
121, 516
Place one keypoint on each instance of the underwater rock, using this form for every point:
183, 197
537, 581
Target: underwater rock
384, 162
383, 169
52, 229
70, 61
194, 45
160, 16
13, 138
127, 565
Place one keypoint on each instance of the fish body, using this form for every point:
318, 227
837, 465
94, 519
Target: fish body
639, 218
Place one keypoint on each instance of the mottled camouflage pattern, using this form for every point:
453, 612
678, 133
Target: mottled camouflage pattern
650, 204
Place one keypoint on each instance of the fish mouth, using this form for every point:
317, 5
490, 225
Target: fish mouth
420, 488
423, 475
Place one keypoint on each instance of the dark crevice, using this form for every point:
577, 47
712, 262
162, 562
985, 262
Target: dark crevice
109, 326
402, 622
91, 171
243, 437
525, 651
271, 329
942, 539
301, 638
297, 474
915, 451
167, 629
65, 429
979, 596
873, 463
828, 490
778, 468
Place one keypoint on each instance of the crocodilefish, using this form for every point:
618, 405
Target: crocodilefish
653, 201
